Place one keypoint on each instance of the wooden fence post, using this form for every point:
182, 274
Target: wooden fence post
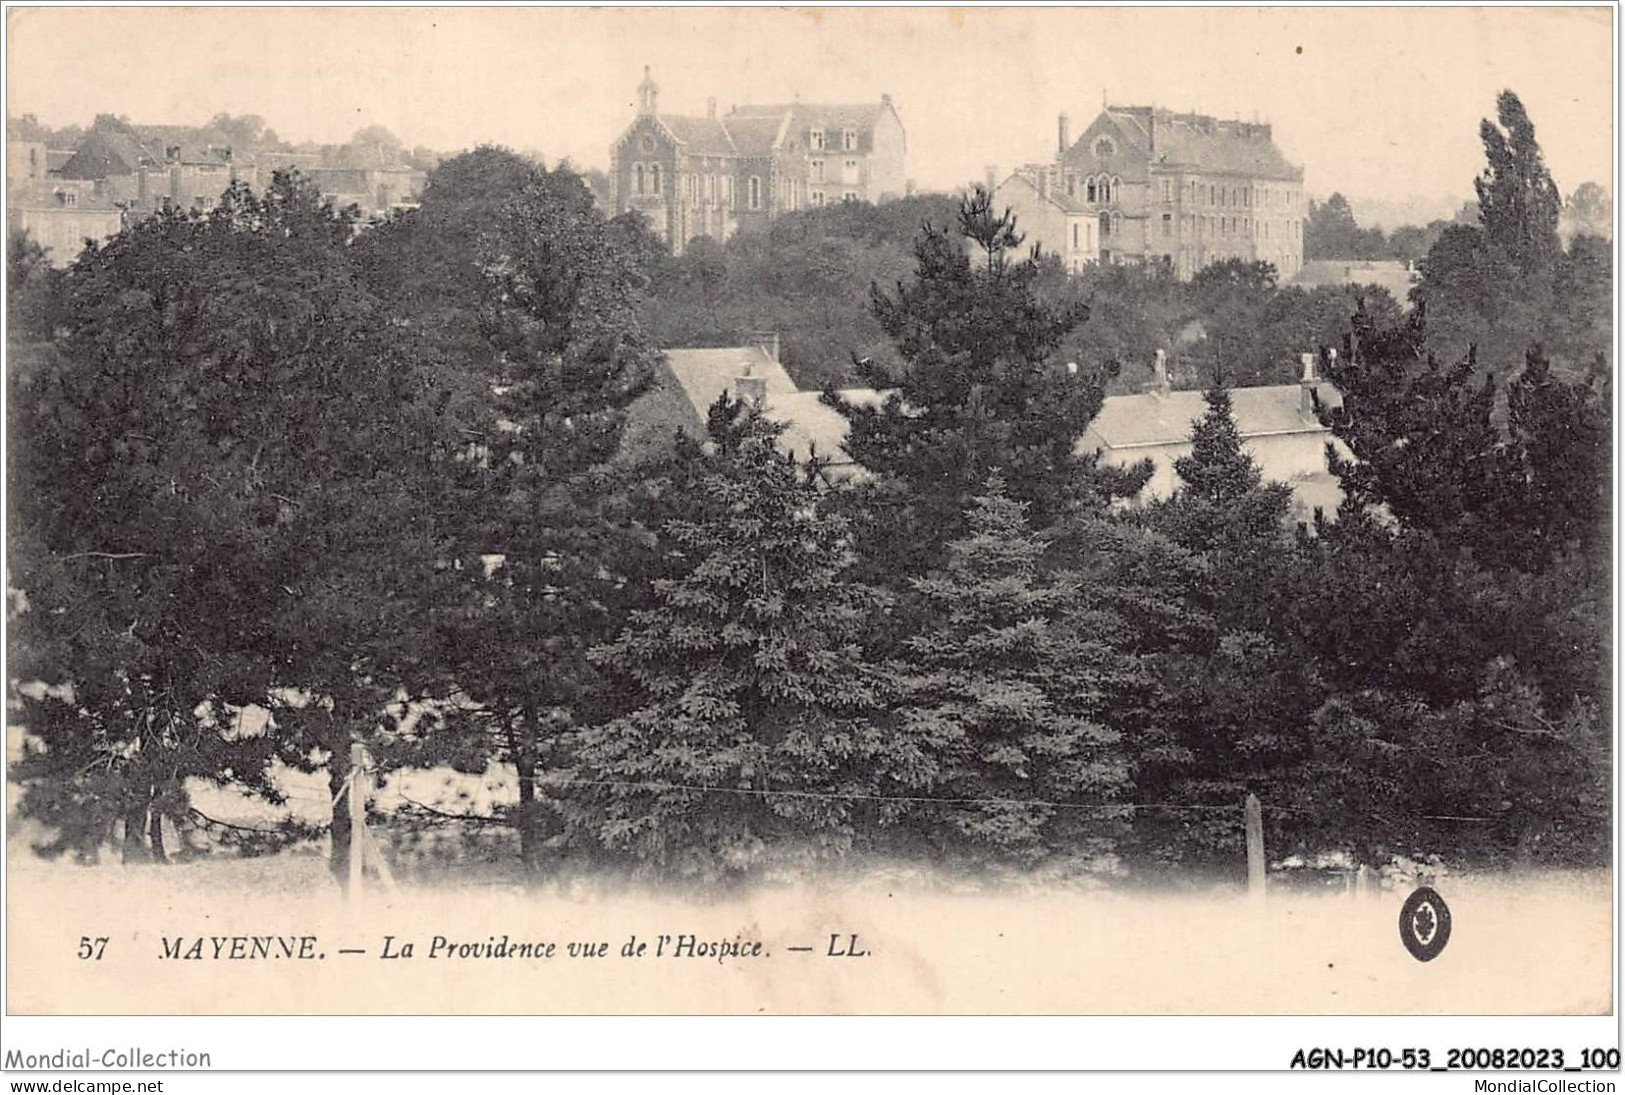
358, 817
1255, 847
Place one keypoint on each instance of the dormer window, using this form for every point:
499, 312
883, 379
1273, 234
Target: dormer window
849, 140
815, 140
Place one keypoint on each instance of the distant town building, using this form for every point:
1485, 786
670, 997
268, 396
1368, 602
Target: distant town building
27, 165
60, 219
1186, 190
58, 214
715, 176
142, 168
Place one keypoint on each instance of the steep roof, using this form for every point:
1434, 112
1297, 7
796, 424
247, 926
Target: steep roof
118, 149
756, 135
831, 115
1055, 195
700, 136
812, 427
1151, 419
1204, 142
707, 373
107, 150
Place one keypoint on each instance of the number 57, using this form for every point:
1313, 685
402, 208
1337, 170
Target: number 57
92, 949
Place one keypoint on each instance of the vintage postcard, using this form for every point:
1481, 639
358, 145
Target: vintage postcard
833, 511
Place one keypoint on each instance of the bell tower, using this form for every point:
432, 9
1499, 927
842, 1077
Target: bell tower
648, 94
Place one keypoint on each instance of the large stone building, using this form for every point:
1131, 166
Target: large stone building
1182, 189
714, 176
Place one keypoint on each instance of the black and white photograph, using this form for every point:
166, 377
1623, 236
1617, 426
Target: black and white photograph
700, 511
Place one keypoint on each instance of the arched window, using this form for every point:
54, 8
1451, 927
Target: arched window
1089, 188
753, 190
637, 179
1117, 224
1105, 226
1117, 189
654, 179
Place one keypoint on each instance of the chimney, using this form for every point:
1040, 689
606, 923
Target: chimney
1063, 135
1159, 373
885, 97
750, 387
711, 107
1306, 384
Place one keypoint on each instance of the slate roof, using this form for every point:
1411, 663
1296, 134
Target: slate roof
811, 427
700, 136
1056, 197
46, 199
1146, 420
107, 151
1204, 142
122, 150
830, 115
755, 136
705, 374
1151, 419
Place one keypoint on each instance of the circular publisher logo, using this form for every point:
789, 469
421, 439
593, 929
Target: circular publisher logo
1424, 924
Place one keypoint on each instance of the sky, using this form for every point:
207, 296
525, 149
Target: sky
1382, 103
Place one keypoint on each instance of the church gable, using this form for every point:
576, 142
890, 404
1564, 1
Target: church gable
646, 137
1111, 145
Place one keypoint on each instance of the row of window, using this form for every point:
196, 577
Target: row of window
712, 188
819, 198
1205, 225
1101, 188
850, 167
1241, 197
646, 180
849, 140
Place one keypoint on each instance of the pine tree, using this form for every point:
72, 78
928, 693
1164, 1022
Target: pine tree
1002, 701
979, 389
1241, 695
1422, 435
752, 697
535, 307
